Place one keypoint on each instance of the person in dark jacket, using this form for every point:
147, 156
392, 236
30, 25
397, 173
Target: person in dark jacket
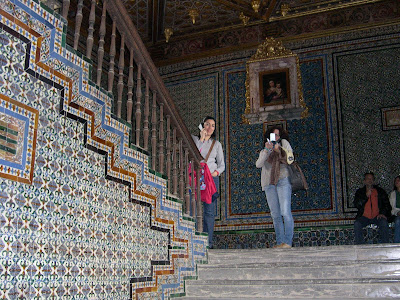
373, 207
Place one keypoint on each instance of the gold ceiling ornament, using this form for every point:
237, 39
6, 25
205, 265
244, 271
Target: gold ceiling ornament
193, 13
284, 9
168, 32
255, 4
244, 19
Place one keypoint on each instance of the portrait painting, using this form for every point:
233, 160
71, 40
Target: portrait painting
275, 87
390, 118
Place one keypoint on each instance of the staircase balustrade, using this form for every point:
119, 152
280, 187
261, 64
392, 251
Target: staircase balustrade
96, 28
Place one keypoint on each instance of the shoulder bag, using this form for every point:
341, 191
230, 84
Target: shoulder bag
297, 179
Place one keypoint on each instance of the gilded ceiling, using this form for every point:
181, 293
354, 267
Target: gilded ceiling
176, 30
186, 18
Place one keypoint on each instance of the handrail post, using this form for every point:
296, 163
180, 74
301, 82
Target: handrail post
199, 216
194, 192
187, 188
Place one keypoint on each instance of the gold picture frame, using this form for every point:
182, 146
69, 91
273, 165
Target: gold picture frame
390, 118
273, 63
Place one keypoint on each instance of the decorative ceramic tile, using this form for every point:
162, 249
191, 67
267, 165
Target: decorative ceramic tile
94, 223
18, 131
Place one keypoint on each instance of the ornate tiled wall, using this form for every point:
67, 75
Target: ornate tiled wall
361, 104
81, 214
345, 79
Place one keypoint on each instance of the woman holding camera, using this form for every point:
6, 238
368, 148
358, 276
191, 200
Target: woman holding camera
276, 184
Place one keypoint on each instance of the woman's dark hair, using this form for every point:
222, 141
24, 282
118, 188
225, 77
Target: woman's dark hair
282, 133
202, 124
369, 173
394, 183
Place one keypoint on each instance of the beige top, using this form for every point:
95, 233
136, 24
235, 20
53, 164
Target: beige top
266, 166
215, 161
392, 199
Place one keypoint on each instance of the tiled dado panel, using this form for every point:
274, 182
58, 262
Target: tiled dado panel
304, 237
72, 224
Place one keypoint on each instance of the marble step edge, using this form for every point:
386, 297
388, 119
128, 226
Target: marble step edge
292, 291
311, 249
274, 260
291, 282
292, 255
193, 297
318, 263
299, 251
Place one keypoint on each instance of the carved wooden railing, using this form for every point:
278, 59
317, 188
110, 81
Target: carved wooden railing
104, 31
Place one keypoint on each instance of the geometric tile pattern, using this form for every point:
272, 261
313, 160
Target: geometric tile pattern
361, 102
93, 222
182, 91
305, 237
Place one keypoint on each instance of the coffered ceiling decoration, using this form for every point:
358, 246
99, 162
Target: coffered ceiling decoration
176, 30
152, 17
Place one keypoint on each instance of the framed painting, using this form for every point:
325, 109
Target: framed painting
390, 118
273, 85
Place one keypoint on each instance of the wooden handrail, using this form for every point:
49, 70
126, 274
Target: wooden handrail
133, 40
132, 78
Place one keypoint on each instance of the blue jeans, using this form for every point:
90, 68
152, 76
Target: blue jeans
279, 198
397, 229
362, 221
209, 214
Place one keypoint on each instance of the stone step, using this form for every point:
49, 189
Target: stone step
293, 289
217, 257
345, 272
304, 270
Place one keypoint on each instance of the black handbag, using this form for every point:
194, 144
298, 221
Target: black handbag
297, 179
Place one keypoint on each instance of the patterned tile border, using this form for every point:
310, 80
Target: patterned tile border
18, 166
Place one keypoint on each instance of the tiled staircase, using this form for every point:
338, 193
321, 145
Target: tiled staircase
344, 272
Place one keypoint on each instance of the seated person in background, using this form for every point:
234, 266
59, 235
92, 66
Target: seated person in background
394, 199
373, 207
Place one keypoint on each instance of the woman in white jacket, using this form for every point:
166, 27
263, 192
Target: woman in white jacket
394, 199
